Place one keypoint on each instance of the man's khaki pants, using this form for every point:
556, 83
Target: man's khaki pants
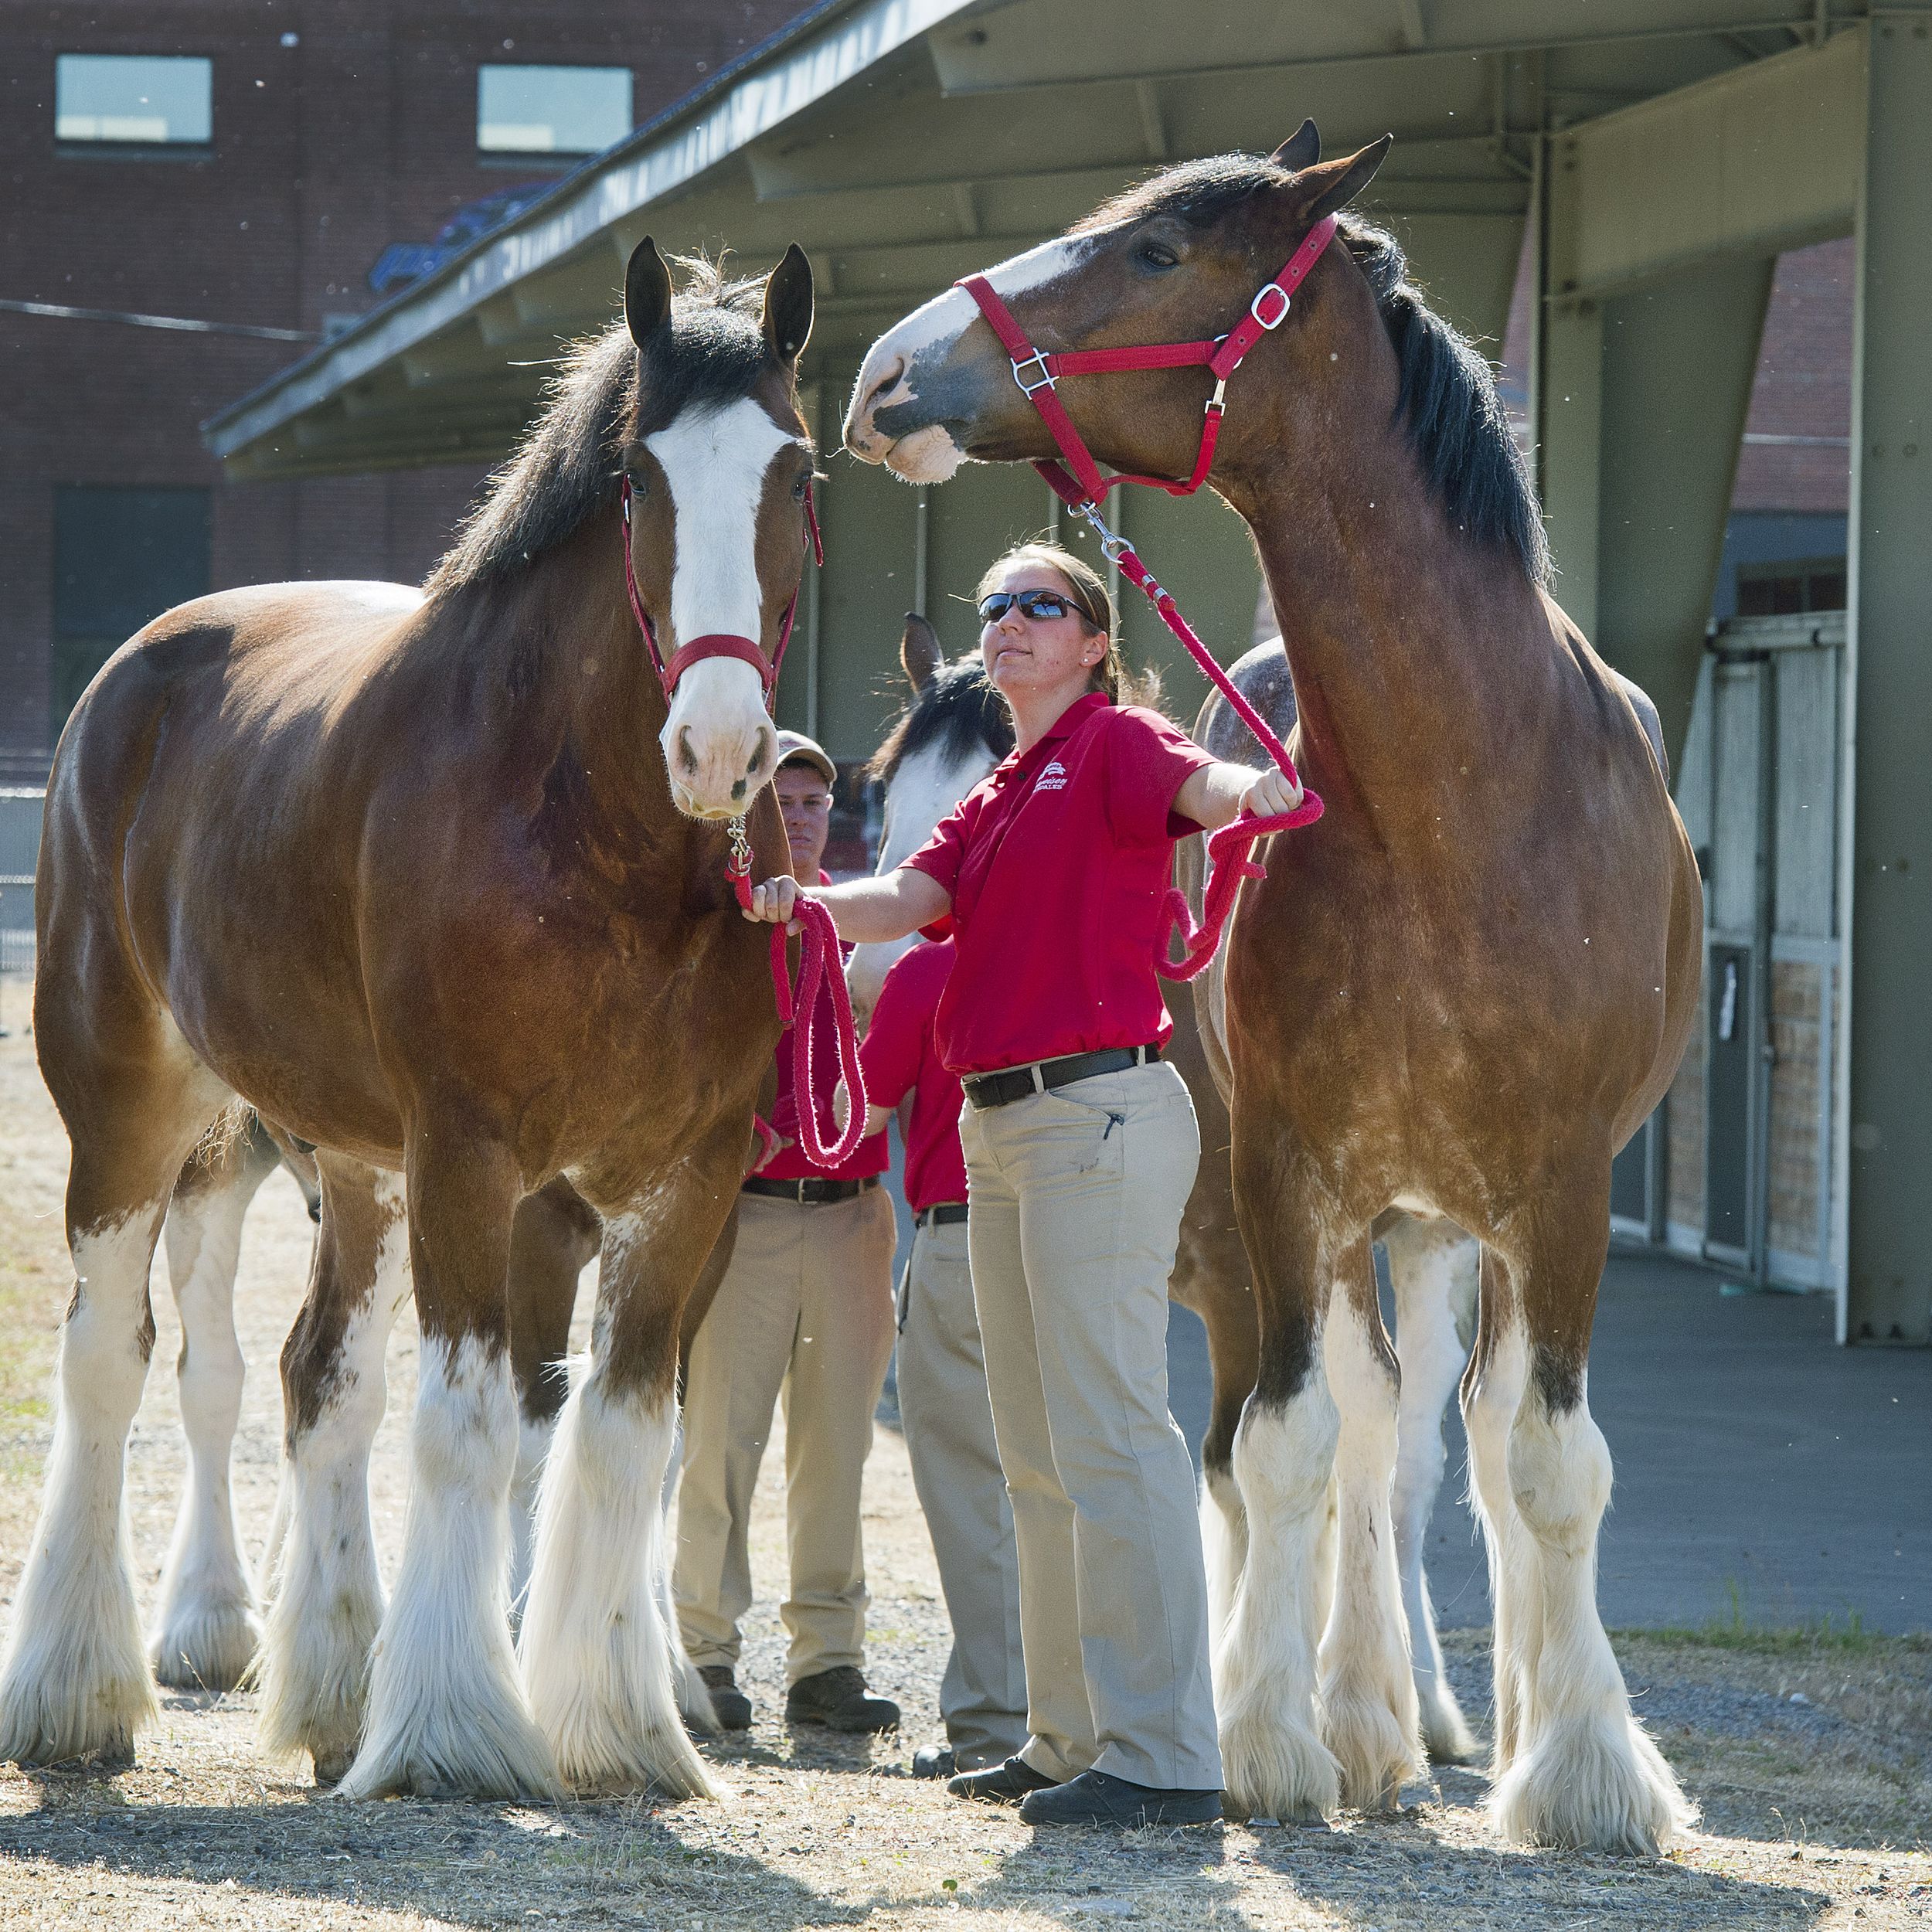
1076, 1196
949, 1439
806, 1307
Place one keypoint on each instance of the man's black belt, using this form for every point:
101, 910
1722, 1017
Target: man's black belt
1017, 1083
810, 1193
946, 1214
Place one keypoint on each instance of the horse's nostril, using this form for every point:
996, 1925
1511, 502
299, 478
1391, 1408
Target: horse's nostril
761, 751
687, 758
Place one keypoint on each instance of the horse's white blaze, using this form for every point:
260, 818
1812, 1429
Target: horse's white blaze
1367, 1692
924, 788
889, 374
207, 1626
1275, 1764
1433, 1270
445, 1711
76, 1677
715, 462
602, 1661
327, 1605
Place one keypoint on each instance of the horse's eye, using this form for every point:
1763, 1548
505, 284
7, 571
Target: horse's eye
799, 488
1158, 255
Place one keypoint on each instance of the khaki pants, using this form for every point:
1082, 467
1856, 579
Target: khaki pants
949, 1439
806, 1308
1076, 1196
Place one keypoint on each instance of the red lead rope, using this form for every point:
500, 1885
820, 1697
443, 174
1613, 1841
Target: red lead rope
1038, 375
818, 945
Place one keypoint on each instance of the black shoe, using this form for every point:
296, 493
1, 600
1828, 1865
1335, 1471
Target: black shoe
1000, 1783
1095, 1797
935, 1760
837, 1698
732, 1707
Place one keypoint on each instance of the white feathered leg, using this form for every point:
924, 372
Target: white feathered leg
447, 1714
1585, 1774
1224, 1545
326, 1605
1367, 1696
596, 1647
1433, 1266
76, 1682
1273, 1758
208, 1626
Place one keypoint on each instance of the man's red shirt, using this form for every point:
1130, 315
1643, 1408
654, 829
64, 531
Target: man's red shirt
899, 1057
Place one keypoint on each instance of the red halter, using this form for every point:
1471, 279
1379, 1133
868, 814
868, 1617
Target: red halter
717, 643
1038, 375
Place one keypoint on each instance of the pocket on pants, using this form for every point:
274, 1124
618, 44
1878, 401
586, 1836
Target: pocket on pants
1099, 1144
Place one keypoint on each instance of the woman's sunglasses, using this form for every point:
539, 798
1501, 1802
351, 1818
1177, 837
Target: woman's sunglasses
1032, 603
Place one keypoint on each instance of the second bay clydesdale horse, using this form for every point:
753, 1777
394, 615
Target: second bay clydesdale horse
436, 881
1460, 993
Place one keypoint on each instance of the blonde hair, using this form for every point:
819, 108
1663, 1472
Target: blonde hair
1088, 592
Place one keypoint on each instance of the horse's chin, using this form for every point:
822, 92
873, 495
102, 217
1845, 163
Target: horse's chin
927, 456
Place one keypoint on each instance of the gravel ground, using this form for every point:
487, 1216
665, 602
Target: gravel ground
1810, 1758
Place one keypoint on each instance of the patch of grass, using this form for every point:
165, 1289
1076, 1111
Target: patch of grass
1735, 1630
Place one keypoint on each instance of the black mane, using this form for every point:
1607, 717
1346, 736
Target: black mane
565, 466
1446, 398
957, 709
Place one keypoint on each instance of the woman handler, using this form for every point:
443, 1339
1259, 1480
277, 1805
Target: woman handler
1080, 1150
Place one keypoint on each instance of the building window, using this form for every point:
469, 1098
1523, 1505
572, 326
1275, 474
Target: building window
551, 110
1787, 589
148, 100
120, 558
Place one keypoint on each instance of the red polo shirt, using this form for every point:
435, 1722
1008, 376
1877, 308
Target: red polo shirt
789, 1163
1059, 864
899, 1058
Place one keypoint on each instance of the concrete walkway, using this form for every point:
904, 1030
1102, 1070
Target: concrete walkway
1757, 1463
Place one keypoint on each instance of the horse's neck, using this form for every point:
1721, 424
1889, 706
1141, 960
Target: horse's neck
559, 672
1409, 646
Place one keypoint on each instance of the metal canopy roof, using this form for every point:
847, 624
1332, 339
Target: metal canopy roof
906, 142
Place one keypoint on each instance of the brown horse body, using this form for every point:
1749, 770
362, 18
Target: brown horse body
402, 873
1459, 994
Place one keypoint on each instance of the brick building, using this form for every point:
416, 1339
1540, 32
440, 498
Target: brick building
247, 163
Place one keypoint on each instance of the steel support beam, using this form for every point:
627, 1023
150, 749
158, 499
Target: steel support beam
1678, 363
1885, 877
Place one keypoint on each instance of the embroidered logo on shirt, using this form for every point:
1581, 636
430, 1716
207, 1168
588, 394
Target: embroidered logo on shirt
1053, 779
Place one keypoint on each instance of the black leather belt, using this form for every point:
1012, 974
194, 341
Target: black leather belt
1018, 1083
946, 1214
810, 1193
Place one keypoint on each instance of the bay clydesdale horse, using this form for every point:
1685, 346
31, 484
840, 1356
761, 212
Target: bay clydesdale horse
1460, 993
402, 872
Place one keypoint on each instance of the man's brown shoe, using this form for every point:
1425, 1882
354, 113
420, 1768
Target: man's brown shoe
837, 1698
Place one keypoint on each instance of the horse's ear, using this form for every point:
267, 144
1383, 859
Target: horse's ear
920, 655
1334, 184
1302, 149
789, 307
647, 292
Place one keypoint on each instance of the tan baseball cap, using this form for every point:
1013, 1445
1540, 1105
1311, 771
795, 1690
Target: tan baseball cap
795, 744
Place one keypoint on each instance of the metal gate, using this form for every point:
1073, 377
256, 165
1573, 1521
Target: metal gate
1737, 1167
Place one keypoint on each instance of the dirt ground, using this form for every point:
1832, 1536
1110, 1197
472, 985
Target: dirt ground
1811, 1753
